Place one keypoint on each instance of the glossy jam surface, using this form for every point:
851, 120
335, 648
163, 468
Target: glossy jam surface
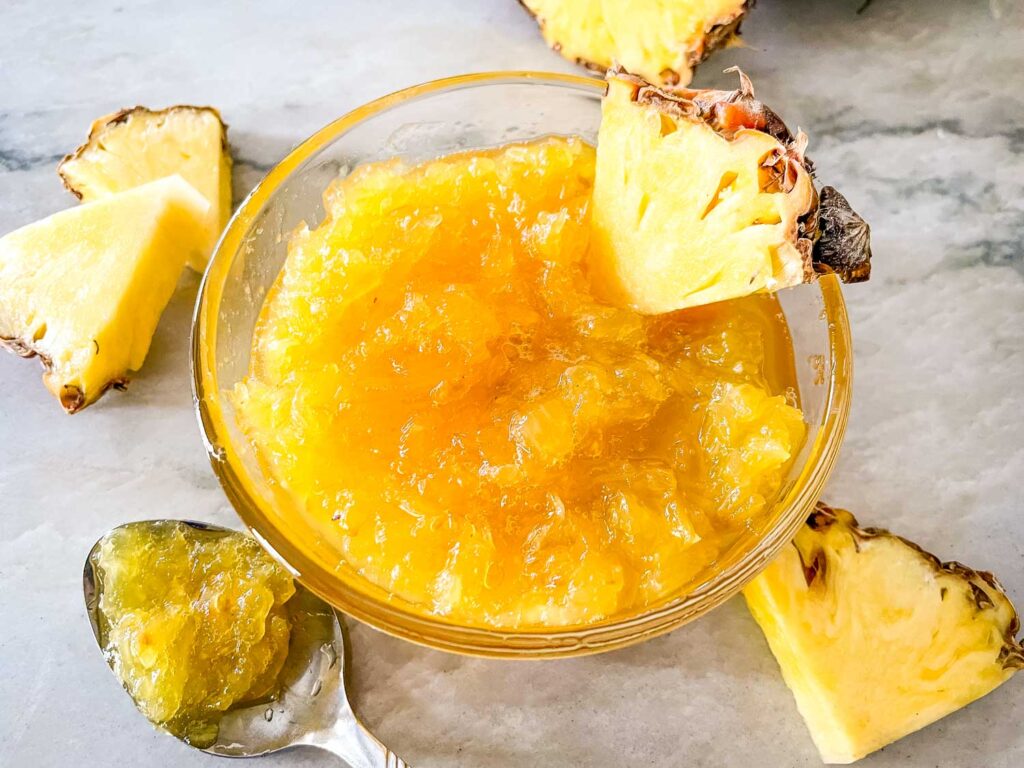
193, 622
437, 386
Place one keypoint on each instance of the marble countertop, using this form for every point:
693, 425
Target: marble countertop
914, 107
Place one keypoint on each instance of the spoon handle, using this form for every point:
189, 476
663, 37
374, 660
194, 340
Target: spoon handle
359, 748
380, 756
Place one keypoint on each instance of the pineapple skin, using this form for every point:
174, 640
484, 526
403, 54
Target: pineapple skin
647, 37
90, 173
84, 288
802, 599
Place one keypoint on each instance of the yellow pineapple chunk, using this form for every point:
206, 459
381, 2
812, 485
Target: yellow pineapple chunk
702, 196
877, 638
84, 288
660, 40
139, 145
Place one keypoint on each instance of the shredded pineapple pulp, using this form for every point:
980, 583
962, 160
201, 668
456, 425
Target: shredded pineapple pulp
434, 379
196, 622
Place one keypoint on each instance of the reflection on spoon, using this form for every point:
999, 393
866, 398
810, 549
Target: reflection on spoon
311, 707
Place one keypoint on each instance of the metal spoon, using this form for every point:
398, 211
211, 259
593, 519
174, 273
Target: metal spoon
312, 708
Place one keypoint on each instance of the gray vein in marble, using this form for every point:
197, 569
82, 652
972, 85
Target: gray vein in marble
19, 160
840, 129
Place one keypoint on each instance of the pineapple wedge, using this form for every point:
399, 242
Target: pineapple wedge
703, 196
84, 288
877, 638
139, 145
658, 40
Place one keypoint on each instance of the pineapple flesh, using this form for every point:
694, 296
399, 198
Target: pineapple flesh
877, 638
139, 145
84, 288
702, 196
660, 40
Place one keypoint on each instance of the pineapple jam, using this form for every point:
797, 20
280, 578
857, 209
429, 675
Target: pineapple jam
436, 381
194, 622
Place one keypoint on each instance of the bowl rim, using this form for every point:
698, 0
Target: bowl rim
435, 632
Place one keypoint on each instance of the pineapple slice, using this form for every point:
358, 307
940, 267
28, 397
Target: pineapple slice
84, 288
139, 145
702, 196
876, 638
659, 40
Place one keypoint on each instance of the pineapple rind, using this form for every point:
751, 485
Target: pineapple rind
84, 288
877, 638
139, 145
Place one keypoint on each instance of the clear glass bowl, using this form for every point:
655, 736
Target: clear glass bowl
420, 123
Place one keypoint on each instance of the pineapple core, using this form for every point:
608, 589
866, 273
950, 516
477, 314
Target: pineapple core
660, 40
84, 288
690, 206
877, 638
138, 145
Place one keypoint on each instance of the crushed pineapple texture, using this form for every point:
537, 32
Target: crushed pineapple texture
435, 383
197, 622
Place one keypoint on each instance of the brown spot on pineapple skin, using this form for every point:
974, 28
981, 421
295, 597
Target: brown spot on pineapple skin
669, 77
72, 398
814, 572
981, 598
844, 242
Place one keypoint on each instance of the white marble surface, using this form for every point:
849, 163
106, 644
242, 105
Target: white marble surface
915, 109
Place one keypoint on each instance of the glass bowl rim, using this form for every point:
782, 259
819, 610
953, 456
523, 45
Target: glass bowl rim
432, 631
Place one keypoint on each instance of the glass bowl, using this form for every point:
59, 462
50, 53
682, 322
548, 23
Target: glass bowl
421, 123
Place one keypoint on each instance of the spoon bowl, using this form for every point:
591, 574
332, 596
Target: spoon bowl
312, 706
